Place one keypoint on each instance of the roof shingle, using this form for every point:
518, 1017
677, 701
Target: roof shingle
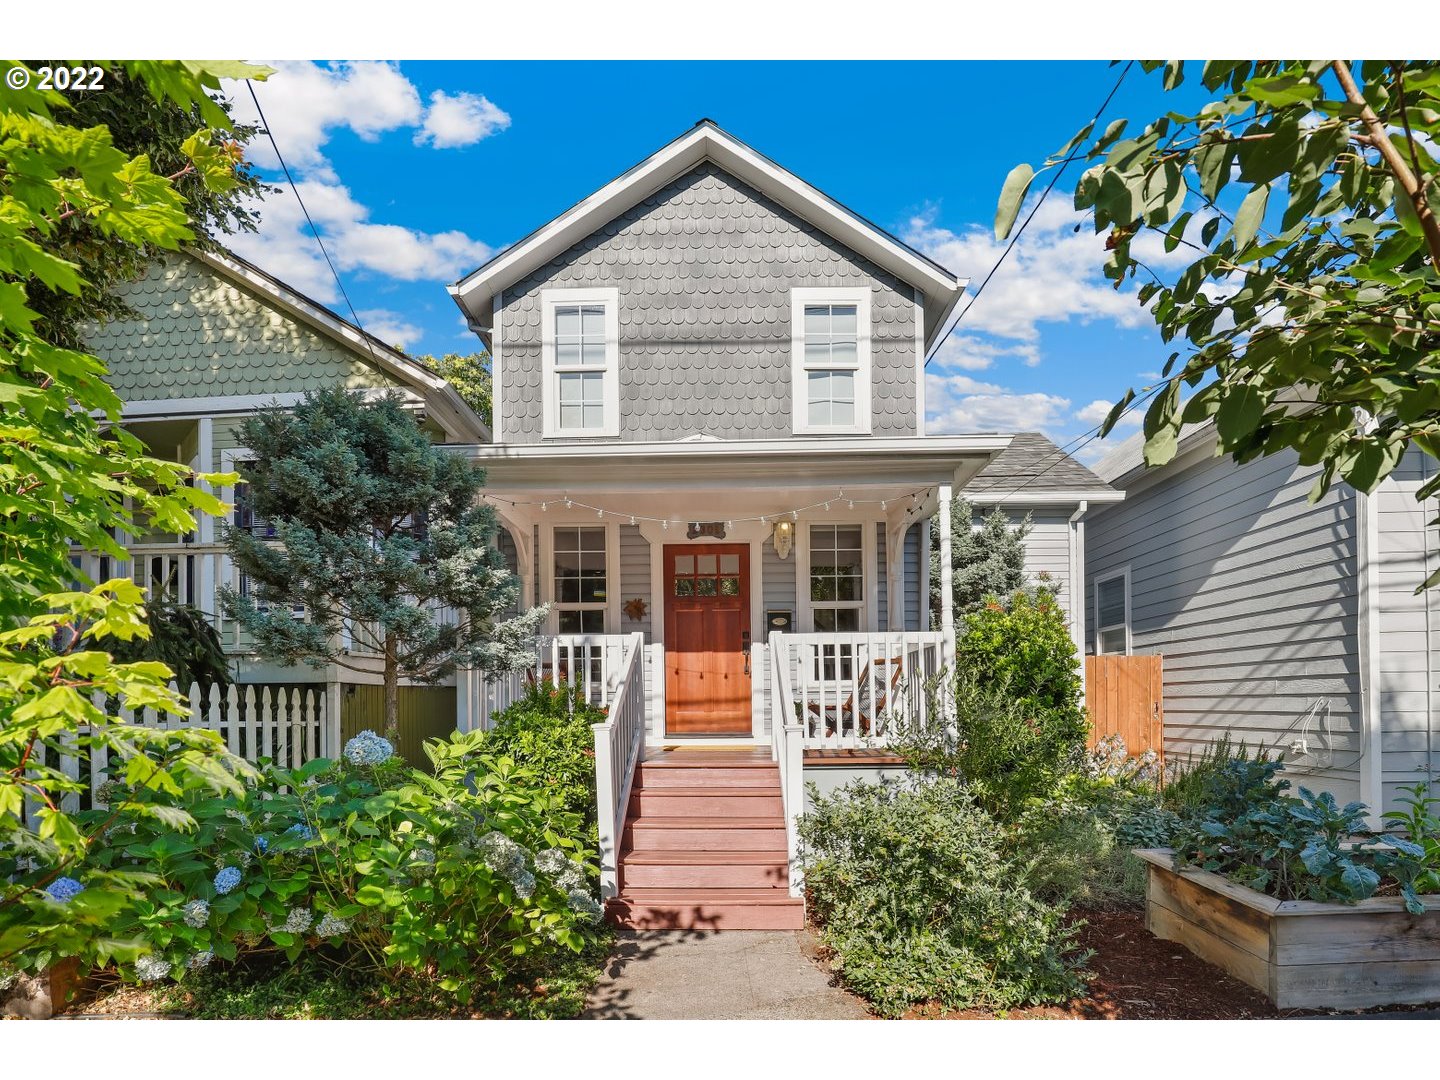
1032, 463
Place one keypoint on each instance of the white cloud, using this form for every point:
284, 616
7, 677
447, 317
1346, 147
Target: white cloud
1099, 409
285, 247
958, 403
391, 327
459, 120
1053, 275
970, 353
306, 102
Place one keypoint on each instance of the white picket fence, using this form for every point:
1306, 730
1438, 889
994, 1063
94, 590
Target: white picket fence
288, 725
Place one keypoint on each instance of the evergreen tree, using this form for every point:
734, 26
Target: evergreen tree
987, 562
377, 528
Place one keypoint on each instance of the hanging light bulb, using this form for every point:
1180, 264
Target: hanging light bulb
729, 525
567, 502
827, 506
882, 504
632, 519
665, 525
794, 515
762, 519
852, 504
599, 513
544, 507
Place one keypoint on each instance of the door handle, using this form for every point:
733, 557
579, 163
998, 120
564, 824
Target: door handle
745, 648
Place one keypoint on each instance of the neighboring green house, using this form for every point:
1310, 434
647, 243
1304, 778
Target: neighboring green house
215, 340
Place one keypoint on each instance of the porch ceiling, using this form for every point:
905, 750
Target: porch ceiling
784, 466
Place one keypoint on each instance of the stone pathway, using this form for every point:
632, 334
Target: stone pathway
709, 975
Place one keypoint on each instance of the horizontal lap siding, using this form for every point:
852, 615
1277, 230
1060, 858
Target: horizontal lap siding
635, 581
914, 551
1249, 593
1410, 729
778, 585
882, 580
1047, 548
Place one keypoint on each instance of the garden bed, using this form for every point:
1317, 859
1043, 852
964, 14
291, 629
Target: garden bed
1301, 954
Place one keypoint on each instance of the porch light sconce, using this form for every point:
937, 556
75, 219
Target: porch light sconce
784, 538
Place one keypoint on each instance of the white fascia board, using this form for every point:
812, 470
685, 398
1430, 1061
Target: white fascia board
1041, 498
178, 408
706, 141
762, 463
455, 415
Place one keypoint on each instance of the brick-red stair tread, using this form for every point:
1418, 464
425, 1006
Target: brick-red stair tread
713, 791
690, 857
777, 897
669, 821
705, 761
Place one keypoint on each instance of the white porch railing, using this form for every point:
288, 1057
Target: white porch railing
787, 748
590, 663
852, 690
619, 745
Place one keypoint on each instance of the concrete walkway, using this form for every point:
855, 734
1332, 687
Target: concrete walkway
710, 975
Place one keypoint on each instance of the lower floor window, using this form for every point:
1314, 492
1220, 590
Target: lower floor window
582, 589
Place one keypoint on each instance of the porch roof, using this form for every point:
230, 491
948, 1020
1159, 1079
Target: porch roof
919, 461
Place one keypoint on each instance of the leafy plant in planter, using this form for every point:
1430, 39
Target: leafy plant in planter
1306, 848
1420, 821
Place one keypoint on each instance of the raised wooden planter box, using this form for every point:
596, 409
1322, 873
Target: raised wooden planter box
1301, 954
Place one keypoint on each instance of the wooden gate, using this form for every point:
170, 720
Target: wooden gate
1125, 695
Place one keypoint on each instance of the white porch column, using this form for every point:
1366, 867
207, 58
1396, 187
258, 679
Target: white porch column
947, 574
205, 525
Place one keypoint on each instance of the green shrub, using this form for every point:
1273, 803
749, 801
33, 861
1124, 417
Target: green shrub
389, 870
1006, 752
920, 902
1189, 782
548, 731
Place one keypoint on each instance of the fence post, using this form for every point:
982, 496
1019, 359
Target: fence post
605, 807
330, 730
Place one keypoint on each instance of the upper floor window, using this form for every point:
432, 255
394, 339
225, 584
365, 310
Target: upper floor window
580, 341
1112, 613
830, 350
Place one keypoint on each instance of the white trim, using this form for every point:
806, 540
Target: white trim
1368, 559
919, 363
241, 403
1101, 579
1023, 498
550, 299
945, 498
704, 142
1076, 538
799, 395
496, 367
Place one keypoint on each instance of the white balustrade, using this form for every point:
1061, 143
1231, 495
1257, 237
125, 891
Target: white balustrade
619, 746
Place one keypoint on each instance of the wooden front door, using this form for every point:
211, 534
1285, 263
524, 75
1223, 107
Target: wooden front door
707, 639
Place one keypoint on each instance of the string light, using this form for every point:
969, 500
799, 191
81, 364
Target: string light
632, 519
852, 504
763, 519
546, 506
599, 513
567, 503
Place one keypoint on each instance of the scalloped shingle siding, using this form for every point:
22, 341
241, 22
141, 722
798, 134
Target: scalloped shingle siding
200, 335
704, 268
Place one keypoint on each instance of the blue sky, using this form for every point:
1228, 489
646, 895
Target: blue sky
418, 172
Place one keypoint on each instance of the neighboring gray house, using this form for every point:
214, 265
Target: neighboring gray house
1290, 624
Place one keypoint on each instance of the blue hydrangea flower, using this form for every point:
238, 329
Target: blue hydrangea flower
201, 960
262, 844
585, 905
226, 880
332, 926
152, 968
196, 913
301, 830
367, 748
63, 888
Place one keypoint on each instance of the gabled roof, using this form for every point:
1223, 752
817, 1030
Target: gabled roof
449, 408
706, 141
1032, 468
1124, 464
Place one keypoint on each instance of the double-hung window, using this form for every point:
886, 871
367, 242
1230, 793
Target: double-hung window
830, 377
837, 578
1112, 613
582, 585
580, 342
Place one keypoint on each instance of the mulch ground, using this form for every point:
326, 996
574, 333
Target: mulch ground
1136, 976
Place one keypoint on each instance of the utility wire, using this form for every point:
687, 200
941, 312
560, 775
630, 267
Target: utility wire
1055, 179
354, 316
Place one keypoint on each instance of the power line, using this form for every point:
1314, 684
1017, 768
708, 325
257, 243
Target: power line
354, 316
1055, 179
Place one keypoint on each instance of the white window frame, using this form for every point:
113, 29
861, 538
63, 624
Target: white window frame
550, 299
868, 586
799, 392
611, 606
1102, 579
230, 460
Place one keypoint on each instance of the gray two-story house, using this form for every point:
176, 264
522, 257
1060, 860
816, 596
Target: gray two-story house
711, 462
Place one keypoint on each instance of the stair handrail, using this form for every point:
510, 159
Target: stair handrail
619, 746
787, 748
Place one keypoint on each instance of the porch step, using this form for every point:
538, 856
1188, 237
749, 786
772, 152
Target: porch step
704, 800
650, 833
704, 870
707, 909
704, 846
654, 776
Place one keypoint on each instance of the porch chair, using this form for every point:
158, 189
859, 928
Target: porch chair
859, 704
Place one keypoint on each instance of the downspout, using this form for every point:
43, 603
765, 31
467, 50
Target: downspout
1367, 582
1077, 586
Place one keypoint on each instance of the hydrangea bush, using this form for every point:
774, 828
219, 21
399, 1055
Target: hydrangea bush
366, 861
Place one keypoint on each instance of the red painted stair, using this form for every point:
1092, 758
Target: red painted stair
704, 846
